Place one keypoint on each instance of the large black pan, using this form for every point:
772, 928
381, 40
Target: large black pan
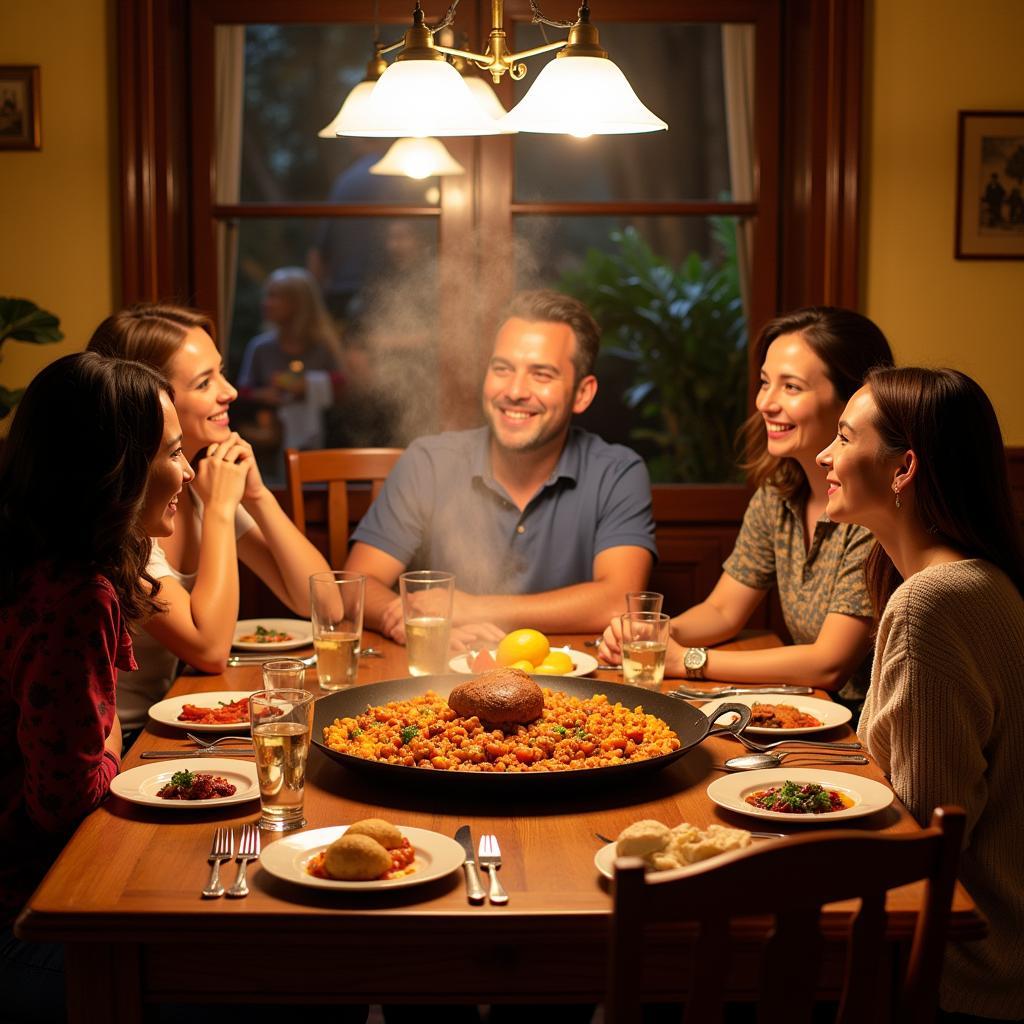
688, 723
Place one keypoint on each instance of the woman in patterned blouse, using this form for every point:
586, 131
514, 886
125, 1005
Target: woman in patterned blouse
92, 468
812, 360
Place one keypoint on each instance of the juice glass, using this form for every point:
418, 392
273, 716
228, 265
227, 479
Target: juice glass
644, 643
336, 599
282, 722
427, 611
644, 601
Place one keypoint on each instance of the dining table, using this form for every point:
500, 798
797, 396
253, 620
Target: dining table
124, 894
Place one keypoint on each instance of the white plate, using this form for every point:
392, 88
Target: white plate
302, 634
867, 795
582, 664
436, 856
140, 785
167, 711
827, 712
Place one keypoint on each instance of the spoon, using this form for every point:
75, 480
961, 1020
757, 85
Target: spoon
750, 762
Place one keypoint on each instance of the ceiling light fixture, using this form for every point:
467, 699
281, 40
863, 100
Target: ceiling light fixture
580, 93
417, 158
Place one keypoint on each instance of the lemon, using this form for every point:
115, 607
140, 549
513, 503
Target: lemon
526, 666
523, 645
557, 663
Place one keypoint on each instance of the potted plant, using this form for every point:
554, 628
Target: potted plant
24, 321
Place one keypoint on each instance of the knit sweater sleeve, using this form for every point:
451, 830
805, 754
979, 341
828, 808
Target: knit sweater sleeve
929, 720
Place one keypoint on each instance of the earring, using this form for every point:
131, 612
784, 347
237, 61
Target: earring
896, 491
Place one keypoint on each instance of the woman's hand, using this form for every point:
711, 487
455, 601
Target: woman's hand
254, 486
610, 651
221, 477
113, 742
674, 655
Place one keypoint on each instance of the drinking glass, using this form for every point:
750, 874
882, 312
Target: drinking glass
284, 674
336, 599
644, 643
282, 722
644, 601
427, 611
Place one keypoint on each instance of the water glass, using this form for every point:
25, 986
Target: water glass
284, 674
336, 599
644, 643
282, 723
644, 601
427, 611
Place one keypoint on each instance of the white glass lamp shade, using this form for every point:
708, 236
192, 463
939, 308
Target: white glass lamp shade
350, 110
581, 96
421, 98
485, 96
417, 158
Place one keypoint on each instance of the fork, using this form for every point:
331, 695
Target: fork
200, 742
489, 856
248, 849
764, 748
223, 849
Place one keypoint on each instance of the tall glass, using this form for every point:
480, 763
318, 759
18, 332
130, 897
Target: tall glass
427, 611
282, 722
284, 674
644, 601
336, 599
644, 643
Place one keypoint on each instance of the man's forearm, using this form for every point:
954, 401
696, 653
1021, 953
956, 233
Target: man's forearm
378, 598
581, 608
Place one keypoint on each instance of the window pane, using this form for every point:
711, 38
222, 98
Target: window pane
382, 297
677, 72
673, 364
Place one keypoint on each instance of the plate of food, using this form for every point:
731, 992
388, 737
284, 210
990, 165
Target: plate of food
272, 634
204, 712
800, 794
185, 785
575, 663
367, 856
789, 716
669, 849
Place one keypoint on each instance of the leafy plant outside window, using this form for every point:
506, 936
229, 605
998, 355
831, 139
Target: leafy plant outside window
24, 321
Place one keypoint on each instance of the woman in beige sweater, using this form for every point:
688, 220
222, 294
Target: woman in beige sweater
919, 461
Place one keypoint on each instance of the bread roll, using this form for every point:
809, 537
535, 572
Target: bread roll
643, 838
356, 859
383, 831
502, 696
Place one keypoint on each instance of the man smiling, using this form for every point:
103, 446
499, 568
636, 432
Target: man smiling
543, 524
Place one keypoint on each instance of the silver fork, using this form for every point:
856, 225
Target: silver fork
223, 849
489, 856
248, 849
200, 742
764, 748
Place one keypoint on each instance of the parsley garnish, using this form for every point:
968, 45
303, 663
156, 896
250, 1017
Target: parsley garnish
182, 779
408, 732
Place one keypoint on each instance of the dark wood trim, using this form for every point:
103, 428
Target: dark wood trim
695, 208
257, 210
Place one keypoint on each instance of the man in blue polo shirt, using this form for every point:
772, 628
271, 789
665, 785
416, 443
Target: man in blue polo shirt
543, 524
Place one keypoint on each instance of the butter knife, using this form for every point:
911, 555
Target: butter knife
738, 691
212, 752
474, 888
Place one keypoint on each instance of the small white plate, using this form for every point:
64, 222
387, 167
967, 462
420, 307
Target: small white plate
167, 711
827, 712
140, 785
301, 632
582, 664
867, 795
604, 859
436, 856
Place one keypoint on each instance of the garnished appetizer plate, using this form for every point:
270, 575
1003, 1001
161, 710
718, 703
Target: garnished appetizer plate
260, 634
141, 785
827, 712
582, 663
169, 711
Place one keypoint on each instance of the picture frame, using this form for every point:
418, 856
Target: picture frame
990, 185
19, 107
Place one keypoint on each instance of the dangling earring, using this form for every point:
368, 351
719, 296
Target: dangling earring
896, 491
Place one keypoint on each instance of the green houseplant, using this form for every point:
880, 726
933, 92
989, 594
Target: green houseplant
24, 321
683, 332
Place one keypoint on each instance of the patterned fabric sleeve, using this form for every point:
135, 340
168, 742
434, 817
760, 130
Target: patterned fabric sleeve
64, 689
752, 561
850, 592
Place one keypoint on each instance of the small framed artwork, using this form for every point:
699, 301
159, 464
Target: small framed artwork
19, 106
990, 185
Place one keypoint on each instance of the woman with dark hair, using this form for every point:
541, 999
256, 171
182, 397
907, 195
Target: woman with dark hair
92, 468
919, 461
227, 514
812, 360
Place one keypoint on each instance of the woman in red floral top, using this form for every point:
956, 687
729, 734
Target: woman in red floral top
92, 468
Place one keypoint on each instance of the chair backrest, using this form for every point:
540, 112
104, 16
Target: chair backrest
336, 467
790, 880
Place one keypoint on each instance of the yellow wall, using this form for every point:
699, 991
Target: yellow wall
927, 60
59, 222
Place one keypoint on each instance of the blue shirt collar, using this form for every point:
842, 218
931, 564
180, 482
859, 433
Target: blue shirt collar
568, 465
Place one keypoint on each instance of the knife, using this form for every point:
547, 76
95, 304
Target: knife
738, 691
218, 752
474, 888
237, 660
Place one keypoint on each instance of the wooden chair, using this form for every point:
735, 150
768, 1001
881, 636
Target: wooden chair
790, 880
337, 467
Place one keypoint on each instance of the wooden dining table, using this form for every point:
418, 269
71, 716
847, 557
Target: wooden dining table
124, 895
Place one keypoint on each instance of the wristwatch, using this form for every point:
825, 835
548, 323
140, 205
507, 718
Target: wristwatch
694, 661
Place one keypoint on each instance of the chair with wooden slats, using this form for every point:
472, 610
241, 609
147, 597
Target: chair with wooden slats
336, 467
790, 881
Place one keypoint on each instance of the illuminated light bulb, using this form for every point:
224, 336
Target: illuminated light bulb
417, 158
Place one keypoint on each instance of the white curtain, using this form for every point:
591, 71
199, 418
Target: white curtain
738, 70
229, 72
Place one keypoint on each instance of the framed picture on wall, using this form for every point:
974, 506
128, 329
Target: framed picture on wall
19, 106
990, 185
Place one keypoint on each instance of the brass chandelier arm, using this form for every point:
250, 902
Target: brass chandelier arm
540, 18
